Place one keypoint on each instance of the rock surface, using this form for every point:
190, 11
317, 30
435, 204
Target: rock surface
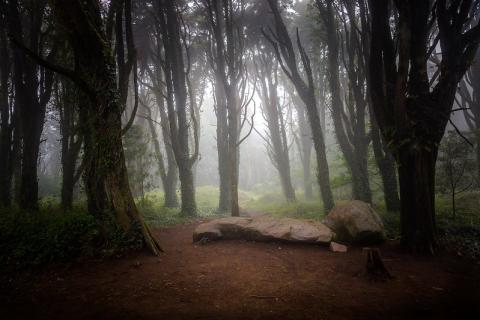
337, 247
356, 222
264, 228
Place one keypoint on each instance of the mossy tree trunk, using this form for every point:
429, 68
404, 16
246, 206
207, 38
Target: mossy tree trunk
106, 179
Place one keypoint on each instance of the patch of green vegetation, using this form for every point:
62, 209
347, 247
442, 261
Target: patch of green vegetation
156, 215
274, 204
462, 232
28, 239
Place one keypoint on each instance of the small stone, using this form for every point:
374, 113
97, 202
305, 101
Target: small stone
337, 247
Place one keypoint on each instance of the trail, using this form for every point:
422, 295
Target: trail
246, 280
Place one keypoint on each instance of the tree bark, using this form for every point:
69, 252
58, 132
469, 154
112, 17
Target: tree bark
6, 125
417, 191
68, 99
225, 198
386, 166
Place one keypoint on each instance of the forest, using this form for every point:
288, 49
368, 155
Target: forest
239, 159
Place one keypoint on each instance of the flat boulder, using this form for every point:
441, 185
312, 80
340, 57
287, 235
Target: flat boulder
264, 228
356, 222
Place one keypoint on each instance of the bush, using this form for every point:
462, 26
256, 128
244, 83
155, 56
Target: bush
51, 235
36, 238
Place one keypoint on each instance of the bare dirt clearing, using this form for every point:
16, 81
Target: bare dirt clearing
246, 280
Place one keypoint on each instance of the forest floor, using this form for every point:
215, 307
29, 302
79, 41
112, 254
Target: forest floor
246, 280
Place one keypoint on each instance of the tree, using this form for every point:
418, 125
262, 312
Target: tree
411, 109
68, 99
455, 166
152, 63
383, 156
176, 83
226, 59
285, 54
7, 128
138, 159
33, 88
469, 102
106, 179
349, 122
276, 137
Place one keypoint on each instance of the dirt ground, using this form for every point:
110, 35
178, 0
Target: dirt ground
246, 280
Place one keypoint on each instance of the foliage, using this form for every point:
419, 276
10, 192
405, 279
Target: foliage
455, 167
455, 164
139, 159
28, 239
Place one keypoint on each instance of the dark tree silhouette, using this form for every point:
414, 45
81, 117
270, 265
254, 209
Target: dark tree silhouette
106, 180
411, 110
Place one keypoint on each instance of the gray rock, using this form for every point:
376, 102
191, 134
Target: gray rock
356, 222
264, 228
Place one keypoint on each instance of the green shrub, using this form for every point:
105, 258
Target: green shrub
42, 237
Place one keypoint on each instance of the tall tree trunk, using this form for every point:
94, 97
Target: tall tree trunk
417, 191
33, 87
355, 148
233, 147
323, 174
277, 144
67, 101
6, 119
304, 145
386, 166
287, 59
225, 198
106, 179
169, 174
177, 91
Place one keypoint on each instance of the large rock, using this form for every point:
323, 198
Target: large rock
356, 222
264, 228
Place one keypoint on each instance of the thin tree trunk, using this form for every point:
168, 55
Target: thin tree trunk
222, 147
386, 166
6, 120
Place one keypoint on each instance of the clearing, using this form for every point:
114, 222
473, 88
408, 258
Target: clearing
246, 280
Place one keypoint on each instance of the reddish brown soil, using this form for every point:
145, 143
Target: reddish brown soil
247, 280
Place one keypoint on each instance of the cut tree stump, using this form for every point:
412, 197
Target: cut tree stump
375, 268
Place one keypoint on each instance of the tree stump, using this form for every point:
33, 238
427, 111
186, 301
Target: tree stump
375, 268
